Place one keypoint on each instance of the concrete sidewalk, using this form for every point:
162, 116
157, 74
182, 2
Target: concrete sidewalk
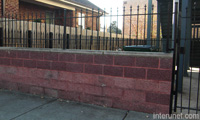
18, 106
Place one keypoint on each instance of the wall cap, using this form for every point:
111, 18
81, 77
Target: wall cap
92, 52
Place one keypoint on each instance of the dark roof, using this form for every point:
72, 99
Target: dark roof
86, 3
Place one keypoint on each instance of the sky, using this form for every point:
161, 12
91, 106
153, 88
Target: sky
108, 4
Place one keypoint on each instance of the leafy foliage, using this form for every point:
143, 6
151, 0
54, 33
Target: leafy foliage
114, 28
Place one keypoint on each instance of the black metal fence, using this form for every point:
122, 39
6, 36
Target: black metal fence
186, 65
84, 29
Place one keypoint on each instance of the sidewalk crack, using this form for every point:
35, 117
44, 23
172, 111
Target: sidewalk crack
51, 101
125, 115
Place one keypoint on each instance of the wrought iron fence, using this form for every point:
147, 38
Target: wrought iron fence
186, 64
84, 29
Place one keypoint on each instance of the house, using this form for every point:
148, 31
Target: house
52, 11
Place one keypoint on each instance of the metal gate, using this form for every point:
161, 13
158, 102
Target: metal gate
186, 79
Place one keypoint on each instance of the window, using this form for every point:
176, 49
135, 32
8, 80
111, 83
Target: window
50, 17
81, 20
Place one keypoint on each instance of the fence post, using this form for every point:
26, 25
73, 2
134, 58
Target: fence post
158, 25
80, 41
64, 35
110, 28
50, 40
118, 42
97, 29
174, 65
29, 39
123, 24
45, 32
149, 22
168, 28
76, 42
138, 8
99, 43
130, 40
91, 41
1, 37
113, 44
106, 43
67, 41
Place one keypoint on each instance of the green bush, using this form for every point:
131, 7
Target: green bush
88, 28
37, 20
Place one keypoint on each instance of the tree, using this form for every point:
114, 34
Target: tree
114, 28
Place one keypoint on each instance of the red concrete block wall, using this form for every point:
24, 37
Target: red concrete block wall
139, 82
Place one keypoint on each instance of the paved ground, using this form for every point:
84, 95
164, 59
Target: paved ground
188, 99
18, 106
